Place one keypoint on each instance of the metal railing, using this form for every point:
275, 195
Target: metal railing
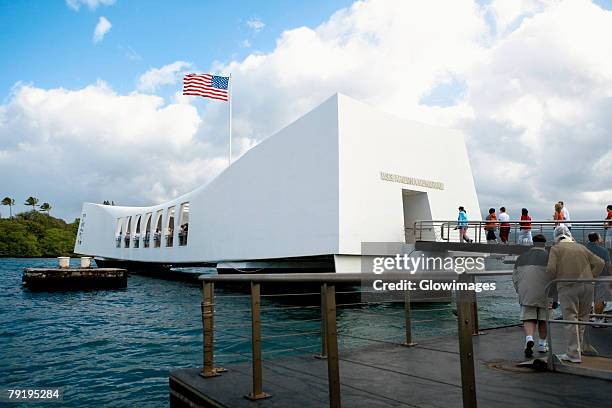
448, 230
328, 332
551, 284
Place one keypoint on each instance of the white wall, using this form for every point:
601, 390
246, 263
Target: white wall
372, 142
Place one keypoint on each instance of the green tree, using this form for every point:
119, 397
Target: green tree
17, 241
45, 207
57, 242
33, 201
32, 234
10, 202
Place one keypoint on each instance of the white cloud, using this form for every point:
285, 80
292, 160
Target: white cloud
534, 105
255, 24
166, 75
92, 4
245, 43
101, 29
93, 144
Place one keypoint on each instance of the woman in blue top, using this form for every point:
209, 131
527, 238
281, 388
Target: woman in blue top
462, 224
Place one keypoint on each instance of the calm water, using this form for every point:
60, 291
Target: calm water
115, 348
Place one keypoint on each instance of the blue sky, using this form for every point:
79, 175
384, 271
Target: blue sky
50, 44
104, 120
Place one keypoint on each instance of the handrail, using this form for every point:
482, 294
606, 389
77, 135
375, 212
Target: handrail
603, 221
335, 277
467, 319
442, 230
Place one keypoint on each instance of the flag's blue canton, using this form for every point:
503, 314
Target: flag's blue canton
220, 82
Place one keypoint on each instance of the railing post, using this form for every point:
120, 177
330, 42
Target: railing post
466, 350
257, 392
208, 311
333, 365
474, 308
323, 354
408, 319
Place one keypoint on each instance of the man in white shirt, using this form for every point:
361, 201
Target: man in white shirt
566, 215
504, 225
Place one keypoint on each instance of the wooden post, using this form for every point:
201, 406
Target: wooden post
333, 364
257, 392
208, 326
466, 350
474, 309
323, 354
408, 320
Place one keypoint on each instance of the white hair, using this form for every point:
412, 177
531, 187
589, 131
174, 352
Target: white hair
562, 233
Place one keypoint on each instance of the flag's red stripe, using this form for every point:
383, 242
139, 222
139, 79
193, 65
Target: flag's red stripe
206, 94
197, 90
197, 81
205, 76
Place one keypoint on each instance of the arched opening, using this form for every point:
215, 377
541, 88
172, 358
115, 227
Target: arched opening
147, 232
170, 227
128, 231
118, 232
184, 223
158, 228
137, 232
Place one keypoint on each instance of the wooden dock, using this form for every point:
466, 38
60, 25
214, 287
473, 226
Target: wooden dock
426, 375
74, 278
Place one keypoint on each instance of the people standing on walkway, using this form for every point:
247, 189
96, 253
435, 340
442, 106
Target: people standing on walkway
569, 260
491, 226
566, 215
608, 227
462, 224
558, 214
530, 278
602, 290
525, 228
504, 226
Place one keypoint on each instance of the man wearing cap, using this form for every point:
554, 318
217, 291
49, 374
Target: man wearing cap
569, 260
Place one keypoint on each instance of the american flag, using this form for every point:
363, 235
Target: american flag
206, 85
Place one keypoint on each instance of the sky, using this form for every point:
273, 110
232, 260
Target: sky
91, 110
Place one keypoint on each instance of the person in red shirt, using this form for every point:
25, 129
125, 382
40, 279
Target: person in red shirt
524, 237
608, 228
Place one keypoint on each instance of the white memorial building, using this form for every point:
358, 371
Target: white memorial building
305, 197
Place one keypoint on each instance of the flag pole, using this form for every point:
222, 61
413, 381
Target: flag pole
230, 120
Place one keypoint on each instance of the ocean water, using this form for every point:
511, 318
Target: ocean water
115, 348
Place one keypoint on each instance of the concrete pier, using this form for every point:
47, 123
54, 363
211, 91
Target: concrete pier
74, 278
389, 375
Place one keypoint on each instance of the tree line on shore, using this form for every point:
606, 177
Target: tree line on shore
35, 233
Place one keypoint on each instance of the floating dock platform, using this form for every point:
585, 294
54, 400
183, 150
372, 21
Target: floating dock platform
390, 375
74, 278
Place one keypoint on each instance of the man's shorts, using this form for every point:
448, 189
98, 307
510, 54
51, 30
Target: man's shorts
535, 313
